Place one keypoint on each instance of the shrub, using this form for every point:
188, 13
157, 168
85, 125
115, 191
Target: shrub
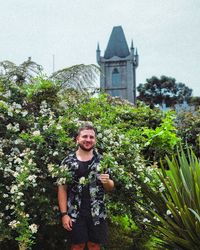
37, 125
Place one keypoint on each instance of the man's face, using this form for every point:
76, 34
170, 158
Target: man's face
86, 139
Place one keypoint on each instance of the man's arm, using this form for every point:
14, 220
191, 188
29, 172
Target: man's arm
108, 184
62, 202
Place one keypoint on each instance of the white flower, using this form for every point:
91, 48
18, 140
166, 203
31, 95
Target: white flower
36, 132
168, 212
33, 228
45, 127
107, 131
32, 178
146, 179
55, 153
100, 136
50, 167
82, 180
18, 141
161, 188
58, 126
9, 126
105, 139
18, 160
16, 105
146, 220
24, 113
20, 194
13, 189
13, 224
10, 113
99, 168
30, 162
7, 94
61, 181
156, 218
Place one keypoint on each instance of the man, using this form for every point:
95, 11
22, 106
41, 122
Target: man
81, 201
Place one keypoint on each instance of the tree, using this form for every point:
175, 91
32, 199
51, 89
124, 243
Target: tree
194, 101
80, 77
164, 90
19, 74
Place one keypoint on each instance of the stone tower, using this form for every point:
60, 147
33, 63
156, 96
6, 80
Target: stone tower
118, 66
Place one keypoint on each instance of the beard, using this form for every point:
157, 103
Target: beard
84, 148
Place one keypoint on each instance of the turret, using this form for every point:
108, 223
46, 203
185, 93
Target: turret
136, 58
132, 49
98, 54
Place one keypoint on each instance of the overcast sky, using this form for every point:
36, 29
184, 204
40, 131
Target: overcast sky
165, 32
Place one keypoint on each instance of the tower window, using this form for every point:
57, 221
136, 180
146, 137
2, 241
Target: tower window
115, 78
115, 82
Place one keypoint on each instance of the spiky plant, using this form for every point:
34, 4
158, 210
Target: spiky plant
180, 223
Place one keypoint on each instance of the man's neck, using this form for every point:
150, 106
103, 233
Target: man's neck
83, 155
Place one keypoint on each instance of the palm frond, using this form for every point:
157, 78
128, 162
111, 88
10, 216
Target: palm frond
81, 77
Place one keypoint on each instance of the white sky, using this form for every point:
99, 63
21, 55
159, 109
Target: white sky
165, 32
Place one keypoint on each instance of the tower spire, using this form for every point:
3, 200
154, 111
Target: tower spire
98, 53
136, 57
132, 44
132, 49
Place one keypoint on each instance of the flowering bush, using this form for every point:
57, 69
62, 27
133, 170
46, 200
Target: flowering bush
37, 125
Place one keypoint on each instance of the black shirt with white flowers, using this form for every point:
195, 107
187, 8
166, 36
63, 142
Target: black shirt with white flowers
85, 184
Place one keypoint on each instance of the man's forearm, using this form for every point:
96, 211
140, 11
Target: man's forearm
109, 185
62, 198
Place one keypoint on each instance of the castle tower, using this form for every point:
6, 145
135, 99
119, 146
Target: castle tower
118, 66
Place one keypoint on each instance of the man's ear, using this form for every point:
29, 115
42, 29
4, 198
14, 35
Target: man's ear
76, 140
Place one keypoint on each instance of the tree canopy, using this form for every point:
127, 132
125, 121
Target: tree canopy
80, 77
164, 90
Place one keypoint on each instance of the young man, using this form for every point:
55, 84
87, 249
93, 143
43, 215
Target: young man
81, 201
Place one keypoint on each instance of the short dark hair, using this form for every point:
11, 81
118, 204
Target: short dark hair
86, 126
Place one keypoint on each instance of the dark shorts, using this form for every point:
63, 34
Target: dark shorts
84, 230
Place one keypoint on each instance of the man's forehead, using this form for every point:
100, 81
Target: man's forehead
87, 131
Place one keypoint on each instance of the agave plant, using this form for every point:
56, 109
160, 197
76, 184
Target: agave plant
180, 223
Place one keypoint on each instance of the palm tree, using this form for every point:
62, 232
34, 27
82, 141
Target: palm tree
19, 74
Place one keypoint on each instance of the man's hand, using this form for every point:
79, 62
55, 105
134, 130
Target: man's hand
104, 178
67, 222
108, 184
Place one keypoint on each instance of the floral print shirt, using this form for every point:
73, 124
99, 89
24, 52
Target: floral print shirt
74, 188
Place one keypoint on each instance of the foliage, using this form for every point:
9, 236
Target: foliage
81, 77
179, 223
37, 125
194, 101
162, 140
188, 128
20, 74
164, 90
